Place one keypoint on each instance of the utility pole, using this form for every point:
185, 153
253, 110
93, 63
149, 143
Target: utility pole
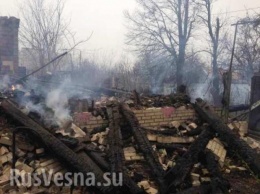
227, 90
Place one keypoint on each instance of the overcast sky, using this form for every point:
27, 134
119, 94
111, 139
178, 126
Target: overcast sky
105, 19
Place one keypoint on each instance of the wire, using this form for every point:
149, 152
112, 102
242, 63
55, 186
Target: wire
236, 11
63, 54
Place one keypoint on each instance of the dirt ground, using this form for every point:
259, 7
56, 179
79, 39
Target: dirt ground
243, 182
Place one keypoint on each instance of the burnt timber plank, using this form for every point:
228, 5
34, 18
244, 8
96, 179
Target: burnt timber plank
233, 142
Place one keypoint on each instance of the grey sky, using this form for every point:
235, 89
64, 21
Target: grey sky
105, 19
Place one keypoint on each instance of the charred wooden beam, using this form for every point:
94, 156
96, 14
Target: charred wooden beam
234, 143
177, 175
218, 183
98, 130
99, 160
95, 155
240, 107
63, 153
136, 97
194, 132
161, 132
128, 185
115, 151
144, 146
180, 148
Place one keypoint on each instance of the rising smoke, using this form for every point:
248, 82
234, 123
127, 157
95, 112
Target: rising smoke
50, 99
57, 100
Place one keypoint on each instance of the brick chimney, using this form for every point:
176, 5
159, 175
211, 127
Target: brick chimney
9, 27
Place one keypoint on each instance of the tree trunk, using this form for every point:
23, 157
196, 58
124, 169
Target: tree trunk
180, 63
215, 90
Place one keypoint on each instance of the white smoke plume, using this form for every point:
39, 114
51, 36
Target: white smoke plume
4, 82
57, 100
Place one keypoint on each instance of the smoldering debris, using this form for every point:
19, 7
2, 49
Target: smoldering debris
161, 144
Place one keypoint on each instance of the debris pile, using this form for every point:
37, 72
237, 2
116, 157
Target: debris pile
199, 155
175, 100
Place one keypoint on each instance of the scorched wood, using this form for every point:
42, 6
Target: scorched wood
63, 153
177, 175
115, 149
144, 146
235, 144
218, 183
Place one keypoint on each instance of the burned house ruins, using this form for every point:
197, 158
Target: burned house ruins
71, 126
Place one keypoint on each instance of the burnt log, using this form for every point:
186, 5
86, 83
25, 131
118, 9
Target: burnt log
240, 107
99, 160
98, 130
194, 132
136, 97
218, 183
180, 148
144, 146
68, 141
177, 174
115, 144
229, 137
96, 155
172, 132
115, 148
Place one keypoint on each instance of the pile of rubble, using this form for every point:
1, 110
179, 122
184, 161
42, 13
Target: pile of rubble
175, 100
200, 155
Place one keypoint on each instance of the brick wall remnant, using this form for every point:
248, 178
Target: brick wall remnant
154, 117
150, 117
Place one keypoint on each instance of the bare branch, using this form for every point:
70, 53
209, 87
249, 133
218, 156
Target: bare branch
44, 32
162, 25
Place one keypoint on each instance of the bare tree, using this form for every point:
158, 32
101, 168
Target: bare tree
197, 70
153, 71
43, 31
163, 26
214, 29
257, 20
247, 52
123, 74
